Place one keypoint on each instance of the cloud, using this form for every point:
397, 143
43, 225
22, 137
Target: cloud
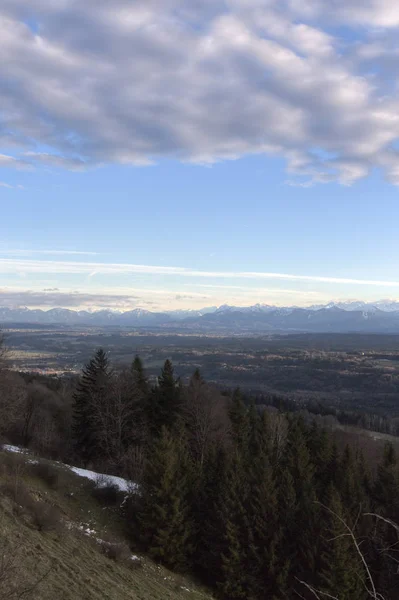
54, 298
126, 82
97, 300
28, 252
12, 187
88, 268
374, 13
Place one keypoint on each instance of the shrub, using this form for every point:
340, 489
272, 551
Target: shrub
107, 494
118, 552
18, 492
45, 516
48, 473
134, 563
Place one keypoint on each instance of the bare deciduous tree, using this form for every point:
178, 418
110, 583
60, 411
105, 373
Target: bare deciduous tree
205, 411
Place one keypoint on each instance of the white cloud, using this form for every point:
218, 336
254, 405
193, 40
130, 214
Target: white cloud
28, 252
90, 268
126, 82
12, 187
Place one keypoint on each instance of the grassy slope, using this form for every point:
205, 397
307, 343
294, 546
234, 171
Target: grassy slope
77, 568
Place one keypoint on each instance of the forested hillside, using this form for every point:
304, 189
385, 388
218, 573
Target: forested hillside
255, 503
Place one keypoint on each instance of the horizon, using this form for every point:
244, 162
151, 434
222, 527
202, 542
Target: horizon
342, 304
248, 154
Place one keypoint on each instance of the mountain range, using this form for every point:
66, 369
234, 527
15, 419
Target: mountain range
334, 317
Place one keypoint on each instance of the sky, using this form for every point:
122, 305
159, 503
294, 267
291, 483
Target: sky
176, 154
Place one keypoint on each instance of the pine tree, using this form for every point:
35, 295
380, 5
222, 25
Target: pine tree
300, 538
164, 515
350, 484
321, 451
137, 396
342, 572
164, 405
385, 536
210, 530
239, 419
90, 404
266, 574
140, 381
236, 527
386, 488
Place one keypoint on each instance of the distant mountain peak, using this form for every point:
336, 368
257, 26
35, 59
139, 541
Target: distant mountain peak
335, 316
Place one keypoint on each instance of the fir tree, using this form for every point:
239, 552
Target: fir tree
164, 514
300, 538
265, 570
163, 406
239, 419
140, 381
90, 402
342, 572
236, 530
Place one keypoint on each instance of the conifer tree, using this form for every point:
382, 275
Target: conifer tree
266, 572
90, 403
164, 514
342, 572
301, 535
239, 419
236, 529
210, 530
140, 381
385, 536
137, 396
163, 406
350, 484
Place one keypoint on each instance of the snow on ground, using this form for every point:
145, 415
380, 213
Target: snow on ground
101, 480
16, 449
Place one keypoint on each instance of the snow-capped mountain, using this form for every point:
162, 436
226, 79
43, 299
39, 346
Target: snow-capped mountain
348, 316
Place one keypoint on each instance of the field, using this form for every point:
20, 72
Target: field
343, 370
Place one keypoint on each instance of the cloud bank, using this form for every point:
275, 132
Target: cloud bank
131, 82
91, 269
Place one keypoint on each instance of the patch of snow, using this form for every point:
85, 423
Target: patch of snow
134, 557
101, 480
16, 449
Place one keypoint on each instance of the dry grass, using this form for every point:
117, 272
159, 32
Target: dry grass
74, 565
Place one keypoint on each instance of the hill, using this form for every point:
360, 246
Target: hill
59, 539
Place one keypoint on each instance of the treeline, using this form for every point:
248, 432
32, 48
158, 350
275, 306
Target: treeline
258, 504
345, 416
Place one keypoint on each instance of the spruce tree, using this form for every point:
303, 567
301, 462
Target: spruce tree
163, 514
137, 395
140, 381
342, 573
385, 536
164, 402
266, 572
234, 517
90, 402
209, 526
301, 536
239, 419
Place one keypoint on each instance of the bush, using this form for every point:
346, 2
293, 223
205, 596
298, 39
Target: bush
118, 552
48, 473
18, 492
45, 516
107, 494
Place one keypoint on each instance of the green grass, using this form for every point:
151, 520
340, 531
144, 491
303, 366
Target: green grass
73, 564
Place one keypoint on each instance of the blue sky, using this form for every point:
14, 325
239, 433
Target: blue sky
224, 164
